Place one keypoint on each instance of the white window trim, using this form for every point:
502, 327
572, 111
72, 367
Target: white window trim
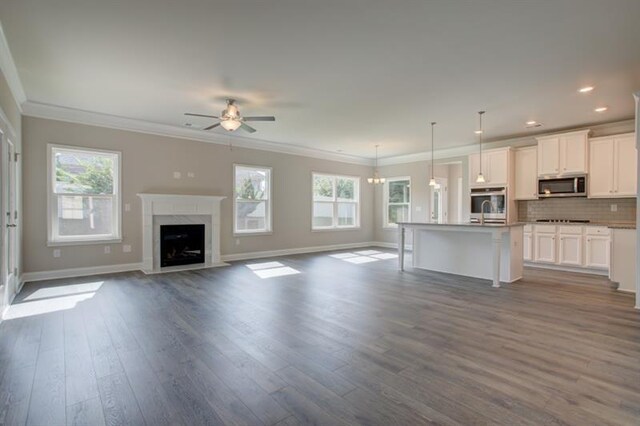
269, 201
357, 202
385, 193
52, 207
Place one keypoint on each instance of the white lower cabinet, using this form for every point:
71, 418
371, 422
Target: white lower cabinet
597, 252
545, 248
572, 246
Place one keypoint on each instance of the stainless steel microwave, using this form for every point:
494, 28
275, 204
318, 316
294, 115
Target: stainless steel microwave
575, 186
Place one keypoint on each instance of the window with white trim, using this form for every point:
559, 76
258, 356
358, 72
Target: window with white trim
84, 195
397, 201
336, 202
251, 199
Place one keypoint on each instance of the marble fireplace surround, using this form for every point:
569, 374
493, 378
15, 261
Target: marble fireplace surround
176, 209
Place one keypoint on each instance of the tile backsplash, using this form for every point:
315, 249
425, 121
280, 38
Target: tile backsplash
595, 210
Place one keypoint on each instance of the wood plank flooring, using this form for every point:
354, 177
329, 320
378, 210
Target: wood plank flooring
344, 341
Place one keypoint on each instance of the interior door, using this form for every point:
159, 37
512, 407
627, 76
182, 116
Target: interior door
439, 211
8, 255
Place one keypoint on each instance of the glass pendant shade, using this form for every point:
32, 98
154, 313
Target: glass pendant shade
432, 182
480, 178
230, 125
376, 179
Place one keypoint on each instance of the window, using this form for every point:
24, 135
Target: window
397, 201
252, 199
336, 202
84, 195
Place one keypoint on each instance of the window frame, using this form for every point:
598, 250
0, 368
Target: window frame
269, 203
357, 201
53, 239
385, 203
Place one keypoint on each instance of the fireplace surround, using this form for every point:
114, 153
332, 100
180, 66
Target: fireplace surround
159, 210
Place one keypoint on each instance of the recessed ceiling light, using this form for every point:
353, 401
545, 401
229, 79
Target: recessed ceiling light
601, 109
478, 132
531, 123
586, 89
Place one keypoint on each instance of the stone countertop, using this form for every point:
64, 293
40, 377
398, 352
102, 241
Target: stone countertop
610, 225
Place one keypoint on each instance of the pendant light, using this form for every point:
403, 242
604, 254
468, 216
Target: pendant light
376, 179
432, 181
480, 178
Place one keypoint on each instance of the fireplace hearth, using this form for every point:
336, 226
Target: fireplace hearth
181, 245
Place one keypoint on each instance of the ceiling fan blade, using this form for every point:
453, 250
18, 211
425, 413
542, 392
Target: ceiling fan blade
200, 115
259, 119
212, 126
247, 128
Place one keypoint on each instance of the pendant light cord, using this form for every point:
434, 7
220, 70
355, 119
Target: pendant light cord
433, 123
480, 114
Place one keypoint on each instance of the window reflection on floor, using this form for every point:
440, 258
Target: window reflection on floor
364, 256
271, 269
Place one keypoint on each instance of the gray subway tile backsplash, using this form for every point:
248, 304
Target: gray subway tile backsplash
594, 210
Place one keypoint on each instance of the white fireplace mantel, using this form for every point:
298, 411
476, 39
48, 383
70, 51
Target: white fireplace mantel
184, 209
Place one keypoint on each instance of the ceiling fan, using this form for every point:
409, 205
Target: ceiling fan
231, 120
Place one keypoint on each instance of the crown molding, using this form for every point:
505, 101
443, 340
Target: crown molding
10, 71
71, 115
605, 129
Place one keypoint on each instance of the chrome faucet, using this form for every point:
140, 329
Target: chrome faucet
482, 210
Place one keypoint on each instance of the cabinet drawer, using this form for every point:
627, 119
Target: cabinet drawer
545, 229
570, 230
598, 230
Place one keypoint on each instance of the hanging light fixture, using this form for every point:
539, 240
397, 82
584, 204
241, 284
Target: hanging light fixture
432, 181
480, 178
376, 179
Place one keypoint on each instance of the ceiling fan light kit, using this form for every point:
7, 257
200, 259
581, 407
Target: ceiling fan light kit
231, 119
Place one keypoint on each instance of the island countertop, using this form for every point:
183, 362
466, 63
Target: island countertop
465, 224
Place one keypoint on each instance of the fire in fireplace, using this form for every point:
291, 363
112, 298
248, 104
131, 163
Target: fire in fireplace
181, 245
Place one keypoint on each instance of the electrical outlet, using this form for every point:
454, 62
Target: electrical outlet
107, 249
126, 248
418, 209
191, 174
237, 241
177, 175
614, 207
127, 207
56, 252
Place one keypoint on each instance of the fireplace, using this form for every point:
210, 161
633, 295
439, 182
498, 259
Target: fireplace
181, 245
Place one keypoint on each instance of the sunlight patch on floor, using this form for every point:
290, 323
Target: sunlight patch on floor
45, 306
364, 256
271, 269
65, 290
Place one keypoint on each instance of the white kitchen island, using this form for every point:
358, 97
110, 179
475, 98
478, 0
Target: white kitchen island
489, 251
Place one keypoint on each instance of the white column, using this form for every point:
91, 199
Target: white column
637, 99
496, 238
401, 234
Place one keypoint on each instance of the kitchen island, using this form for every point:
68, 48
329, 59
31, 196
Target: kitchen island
489, 251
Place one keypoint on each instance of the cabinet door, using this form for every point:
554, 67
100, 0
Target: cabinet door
601, 168
597, 253
545, 248
549, 156
474, 168
570, 250
626, 166
526, 166
528, 246
573, 154
498, 167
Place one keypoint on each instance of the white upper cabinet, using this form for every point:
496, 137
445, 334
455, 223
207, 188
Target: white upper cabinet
495, 167
612, 167
526, 166
564, 154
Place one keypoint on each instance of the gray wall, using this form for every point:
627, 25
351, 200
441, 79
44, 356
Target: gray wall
148, 163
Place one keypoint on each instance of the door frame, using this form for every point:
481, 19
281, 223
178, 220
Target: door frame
443, 211
8, 221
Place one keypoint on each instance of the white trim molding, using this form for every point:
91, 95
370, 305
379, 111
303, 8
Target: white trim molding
71, 115
8, 67
636, 97
28, 277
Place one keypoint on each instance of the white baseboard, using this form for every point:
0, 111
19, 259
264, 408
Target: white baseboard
287, 252
79, 272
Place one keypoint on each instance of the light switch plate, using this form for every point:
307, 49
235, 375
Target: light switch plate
418, 209
126, 248
614, 207
56, 252
177, 175
107, 249
127, 207
191, 174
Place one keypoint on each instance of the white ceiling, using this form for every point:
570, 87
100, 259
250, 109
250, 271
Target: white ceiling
337, 74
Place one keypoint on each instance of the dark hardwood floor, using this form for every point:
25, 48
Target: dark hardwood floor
344, 341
